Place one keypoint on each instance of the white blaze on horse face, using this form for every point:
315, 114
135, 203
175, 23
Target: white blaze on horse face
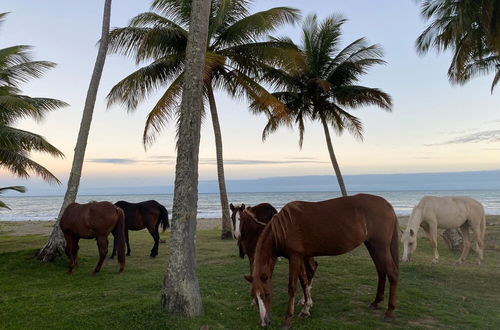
237, 233
262, 310
409, 246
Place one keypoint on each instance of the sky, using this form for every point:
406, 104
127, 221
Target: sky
433, 127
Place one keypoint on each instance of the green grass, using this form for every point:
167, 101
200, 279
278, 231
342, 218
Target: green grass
36, 295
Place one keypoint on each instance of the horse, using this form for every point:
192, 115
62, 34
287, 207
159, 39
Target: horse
248, 224
302, 230
93, 220
147, 214
433, 212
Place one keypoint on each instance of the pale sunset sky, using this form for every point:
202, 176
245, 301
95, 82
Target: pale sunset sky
434, 126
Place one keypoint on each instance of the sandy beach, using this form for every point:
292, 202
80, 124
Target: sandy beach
22, 228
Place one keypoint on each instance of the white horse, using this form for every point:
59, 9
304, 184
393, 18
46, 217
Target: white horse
432, 213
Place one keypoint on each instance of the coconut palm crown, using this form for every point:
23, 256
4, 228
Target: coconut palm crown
470, 29
235, 55
16, 67
325, 87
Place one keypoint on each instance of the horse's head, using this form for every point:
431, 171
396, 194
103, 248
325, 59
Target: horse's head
262, 292
409, 240
235, 217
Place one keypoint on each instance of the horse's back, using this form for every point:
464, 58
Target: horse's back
337, 225
450, 211
85, 220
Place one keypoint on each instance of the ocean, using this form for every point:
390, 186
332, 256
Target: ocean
47, 207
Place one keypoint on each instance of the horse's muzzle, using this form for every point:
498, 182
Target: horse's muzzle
266, 321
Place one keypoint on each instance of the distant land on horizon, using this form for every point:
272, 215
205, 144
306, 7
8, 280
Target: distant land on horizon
474, 180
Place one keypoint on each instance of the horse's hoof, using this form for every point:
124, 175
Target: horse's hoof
69, 272
459, 262
301, 301
162, 241
93, 273
434, 261
373, 307
387, 318
285, 326
128, 254
303, 314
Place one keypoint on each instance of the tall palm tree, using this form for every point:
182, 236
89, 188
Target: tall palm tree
56, 243
470, 29
181, 292
325, 86
235, 55
16, 67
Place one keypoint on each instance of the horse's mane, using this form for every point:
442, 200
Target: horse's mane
280, 225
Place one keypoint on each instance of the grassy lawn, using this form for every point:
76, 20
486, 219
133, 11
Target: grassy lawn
34, 295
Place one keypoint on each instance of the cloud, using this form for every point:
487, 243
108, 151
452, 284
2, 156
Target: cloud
158, 160
484, 136
123, 161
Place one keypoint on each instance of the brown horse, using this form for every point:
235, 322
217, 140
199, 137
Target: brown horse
305, 229
248, 223
93, 220
148, 214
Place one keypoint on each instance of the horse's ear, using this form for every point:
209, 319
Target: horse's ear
242, 206
412, 232
231, 206
248, 278
263, 277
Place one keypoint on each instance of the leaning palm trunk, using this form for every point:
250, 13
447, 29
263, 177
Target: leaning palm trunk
55, 245
226, 220
181, 291
335, 164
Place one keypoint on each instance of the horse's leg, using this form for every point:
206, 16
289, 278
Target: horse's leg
156, 237
102, 244
379, 297
69, 252
114, 248
464, 230
126, 241
433, 237
479, 243
295, 267
386, 267
310, 266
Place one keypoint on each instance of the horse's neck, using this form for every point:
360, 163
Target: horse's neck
415, 220
266, 254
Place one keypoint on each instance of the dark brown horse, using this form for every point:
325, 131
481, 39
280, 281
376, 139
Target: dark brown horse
93, 220
248, 223
148, 214
304, 229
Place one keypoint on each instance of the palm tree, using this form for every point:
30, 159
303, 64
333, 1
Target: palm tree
235, 55
16, 67
325, 86
20, 189
470, 29
181, 291
56, 243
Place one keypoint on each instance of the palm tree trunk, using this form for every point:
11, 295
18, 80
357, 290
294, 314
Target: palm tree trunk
181, 292
335, 164
55, 245
226, 220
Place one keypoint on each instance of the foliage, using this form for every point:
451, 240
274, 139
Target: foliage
325, 85
16, 67
470, 29
20, 189
235, 56
429, 296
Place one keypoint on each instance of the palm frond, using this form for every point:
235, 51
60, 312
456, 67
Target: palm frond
20, 164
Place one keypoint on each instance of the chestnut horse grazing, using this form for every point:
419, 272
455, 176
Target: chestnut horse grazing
93, 220
302, 230
433, 212
148, 214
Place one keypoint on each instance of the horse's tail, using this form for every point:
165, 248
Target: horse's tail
119, 236
483, 226
394, 243
163, 218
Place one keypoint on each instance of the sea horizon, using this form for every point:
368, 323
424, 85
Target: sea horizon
25, 208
